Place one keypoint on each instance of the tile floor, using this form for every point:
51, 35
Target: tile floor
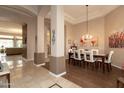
27, 75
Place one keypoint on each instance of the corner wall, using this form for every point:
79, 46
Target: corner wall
114, 21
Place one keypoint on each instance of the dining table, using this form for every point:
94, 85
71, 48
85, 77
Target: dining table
99, 56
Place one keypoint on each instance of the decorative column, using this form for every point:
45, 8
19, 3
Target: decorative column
57, 59
39, 55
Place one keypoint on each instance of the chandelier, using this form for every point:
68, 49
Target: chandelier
87, 36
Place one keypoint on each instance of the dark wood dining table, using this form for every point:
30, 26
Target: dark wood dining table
101, 56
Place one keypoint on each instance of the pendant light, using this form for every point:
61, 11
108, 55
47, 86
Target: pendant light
87, 36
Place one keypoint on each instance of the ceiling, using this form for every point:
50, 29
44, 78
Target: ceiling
11, 28
73, 13
77, 13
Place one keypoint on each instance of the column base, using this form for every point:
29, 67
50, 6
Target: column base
39, 58
59, 75
39, 65
57, 65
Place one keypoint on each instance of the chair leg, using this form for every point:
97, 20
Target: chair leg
100, 64
74, 62
107, 67
117, 84
92, 66
110, 66
87, 64
70, 60
80, 63
77, 62
84, 64
96, 65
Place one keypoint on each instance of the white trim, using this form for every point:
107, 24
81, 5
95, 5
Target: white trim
24, 59
81, 19
39, 65
59, 75
116, 66
27, 60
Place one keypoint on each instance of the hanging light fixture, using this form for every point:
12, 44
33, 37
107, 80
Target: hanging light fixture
87, 36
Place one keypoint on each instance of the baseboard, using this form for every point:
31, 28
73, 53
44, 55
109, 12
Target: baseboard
24, 59
116, 66
39, 65
59, 75
27, 60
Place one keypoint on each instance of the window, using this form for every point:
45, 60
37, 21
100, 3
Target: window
6, 43
19, 43
9, 41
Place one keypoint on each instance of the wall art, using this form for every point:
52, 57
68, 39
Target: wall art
116, 40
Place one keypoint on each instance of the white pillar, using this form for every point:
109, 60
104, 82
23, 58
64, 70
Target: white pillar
57, 60
40, 34
39, 55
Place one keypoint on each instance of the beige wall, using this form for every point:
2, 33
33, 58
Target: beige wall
114, 21
96, 28
69, 35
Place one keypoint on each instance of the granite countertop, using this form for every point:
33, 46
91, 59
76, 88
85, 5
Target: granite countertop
5, 69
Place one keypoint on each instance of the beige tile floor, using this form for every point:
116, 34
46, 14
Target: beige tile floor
27, 75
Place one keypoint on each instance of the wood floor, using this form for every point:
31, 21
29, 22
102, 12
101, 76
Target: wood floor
88, 78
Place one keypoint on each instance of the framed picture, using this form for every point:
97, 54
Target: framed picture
116, 40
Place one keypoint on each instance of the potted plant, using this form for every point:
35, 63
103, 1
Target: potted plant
2, 50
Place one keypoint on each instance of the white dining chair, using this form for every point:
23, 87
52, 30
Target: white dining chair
95, 51
81, 51
70, 50
88, 58
108, 61
77, 57
71, 57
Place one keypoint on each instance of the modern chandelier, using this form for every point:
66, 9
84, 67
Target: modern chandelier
87, 36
